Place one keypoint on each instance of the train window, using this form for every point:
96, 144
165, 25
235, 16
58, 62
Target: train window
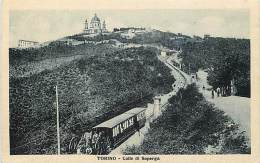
140, 116
122, 126
115, 131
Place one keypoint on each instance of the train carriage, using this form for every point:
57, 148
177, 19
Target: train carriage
111, 133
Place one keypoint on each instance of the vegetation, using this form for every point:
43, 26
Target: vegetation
225, 59
106, 81
190, 125
98, 86
56, 49
127, 28
153, 37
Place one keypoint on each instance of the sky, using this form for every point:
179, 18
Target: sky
46, 25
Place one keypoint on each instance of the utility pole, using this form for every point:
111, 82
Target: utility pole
189, 68
58, 123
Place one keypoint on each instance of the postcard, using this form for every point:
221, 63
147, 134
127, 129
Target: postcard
134, 81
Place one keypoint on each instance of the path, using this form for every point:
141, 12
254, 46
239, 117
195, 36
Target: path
238, 108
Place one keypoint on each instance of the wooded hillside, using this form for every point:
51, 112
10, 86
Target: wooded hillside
96, 87
225, 59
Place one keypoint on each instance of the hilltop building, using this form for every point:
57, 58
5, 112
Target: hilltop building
206, 36
95, 27
23, 44
198, 38
129, 32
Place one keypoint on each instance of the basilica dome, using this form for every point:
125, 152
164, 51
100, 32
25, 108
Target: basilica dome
95, 18
94, 27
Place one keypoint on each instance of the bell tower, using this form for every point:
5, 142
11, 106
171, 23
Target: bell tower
86, 24
104, 27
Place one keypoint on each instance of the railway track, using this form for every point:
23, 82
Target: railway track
182, 80
130, 129
184, 75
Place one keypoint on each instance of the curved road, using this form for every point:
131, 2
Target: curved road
182, 80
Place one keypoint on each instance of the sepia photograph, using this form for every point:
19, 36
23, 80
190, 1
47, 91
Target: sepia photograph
129, 82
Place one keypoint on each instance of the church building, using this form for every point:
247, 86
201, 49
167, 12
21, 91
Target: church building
95, 27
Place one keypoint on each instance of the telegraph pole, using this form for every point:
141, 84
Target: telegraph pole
189, 68
58, 123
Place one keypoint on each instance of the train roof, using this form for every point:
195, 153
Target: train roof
120, 118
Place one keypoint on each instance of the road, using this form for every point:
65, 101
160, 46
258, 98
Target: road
238, 108
182, 80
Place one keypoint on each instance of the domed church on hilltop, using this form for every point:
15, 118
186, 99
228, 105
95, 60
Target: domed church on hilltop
95, 27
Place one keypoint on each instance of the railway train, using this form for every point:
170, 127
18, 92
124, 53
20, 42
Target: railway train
111, 133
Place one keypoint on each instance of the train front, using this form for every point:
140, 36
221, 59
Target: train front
96, 142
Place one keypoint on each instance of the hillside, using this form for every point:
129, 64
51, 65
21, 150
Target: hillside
157, 37
102, 83
191, 125
29, 61
98, 80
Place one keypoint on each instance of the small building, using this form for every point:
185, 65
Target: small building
163, 53
197, 38
129, 34
167, 52
206, 36
157, 107
139, 30
23, 44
